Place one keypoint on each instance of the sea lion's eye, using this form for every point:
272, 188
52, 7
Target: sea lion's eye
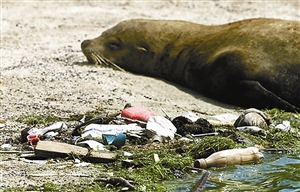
114, 46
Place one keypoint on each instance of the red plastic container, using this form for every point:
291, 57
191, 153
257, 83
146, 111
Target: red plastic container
32, 139
137, 113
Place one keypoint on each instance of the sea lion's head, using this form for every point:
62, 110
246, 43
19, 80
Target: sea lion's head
137, 45
122, 46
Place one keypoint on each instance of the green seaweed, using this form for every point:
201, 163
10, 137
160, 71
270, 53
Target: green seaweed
32, 119
38, 119
208, 145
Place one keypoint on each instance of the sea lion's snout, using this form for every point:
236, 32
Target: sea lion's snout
85, 43
87, 52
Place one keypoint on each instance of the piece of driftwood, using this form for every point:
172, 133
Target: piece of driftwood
56, 149
201, 182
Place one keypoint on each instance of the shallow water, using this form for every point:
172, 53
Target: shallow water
277, 172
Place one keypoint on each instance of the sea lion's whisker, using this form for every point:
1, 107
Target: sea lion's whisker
105, 62
95, 59
114, 66
100, 60
108, 63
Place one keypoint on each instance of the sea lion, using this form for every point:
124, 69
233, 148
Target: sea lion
248, 63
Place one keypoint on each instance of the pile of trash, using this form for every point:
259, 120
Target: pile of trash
133, 123
89, 139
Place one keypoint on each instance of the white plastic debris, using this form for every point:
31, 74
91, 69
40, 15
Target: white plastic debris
252, 130
185, 139
58, 126
156, 158
224, 118
95, 131
285, 126
126, 154
205, 134
6, 147
40, 162
96, 146
160, 126
76, 160
83, 164
51, 135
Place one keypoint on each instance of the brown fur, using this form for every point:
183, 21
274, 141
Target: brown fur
250, 63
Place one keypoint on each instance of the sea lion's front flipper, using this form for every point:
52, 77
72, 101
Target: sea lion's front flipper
256, 92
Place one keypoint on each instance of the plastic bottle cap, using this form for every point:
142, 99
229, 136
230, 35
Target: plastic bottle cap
200, 163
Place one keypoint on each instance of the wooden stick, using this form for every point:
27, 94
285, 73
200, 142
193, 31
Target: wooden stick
201, 182
10, 152
57, 174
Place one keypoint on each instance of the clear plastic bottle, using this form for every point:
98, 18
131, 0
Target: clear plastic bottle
230, 157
